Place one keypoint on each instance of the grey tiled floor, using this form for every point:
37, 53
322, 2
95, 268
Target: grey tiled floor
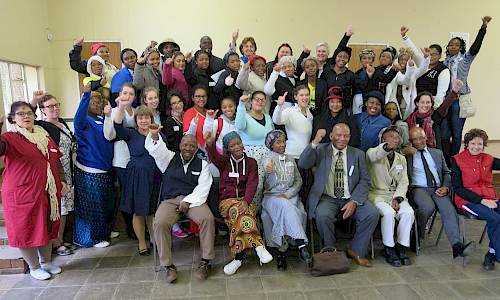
118, 272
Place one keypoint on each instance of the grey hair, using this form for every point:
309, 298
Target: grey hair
288, 59
323, 44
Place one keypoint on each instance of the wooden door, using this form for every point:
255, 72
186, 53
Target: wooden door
354, 63
115, 49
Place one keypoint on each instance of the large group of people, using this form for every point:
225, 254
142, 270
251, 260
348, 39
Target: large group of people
251, 148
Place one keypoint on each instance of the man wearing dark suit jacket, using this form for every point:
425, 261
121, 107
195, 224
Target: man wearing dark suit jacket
340, 184
430, 183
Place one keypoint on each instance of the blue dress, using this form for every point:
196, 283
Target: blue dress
140, 192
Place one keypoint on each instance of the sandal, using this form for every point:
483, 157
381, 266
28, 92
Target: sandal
144, 252
63, 251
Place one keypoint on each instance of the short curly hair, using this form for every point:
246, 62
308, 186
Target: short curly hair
474, 133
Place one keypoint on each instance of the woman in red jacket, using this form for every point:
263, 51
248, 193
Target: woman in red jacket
31, 189
472, 180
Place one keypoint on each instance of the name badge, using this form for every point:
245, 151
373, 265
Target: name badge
351, 170
53, 150
98, 122
195, 173
211, 83
176, 128
234, 175
399, 167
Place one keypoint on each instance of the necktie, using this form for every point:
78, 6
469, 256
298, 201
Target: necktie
431, 181
338, 188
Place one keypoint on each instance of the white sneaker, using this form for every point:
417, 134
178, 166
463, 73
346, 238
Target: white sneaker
232, 267
52, 269
103, 244
40, 274
263, 254
114, 234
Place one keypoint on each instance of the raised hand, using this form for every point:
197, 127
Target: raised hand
349, 31
188, 56
277, 67
107, 110
305, 49
87, 88
457, 85
320, 134
396, 67
37, 97
142, 59
152, 44
370, 70
486, 20
244, 98
209, 139
281, 99
154, 129
426, 51
78, 42
269, 167
210, 113
169, 61
229, 81
404, 30
123, 101
235, 35
103, 81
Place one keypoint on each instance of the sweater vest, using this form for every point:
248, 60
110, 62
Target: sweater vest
175, 182
429, 81
477, 175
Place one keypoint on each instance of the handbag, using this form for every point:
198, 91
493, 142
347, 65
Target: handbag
467, 109
329, 261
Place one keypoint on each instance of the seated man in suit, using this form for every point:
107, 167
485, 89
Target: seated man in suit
430, 183
389, 184
341, 184
186, 183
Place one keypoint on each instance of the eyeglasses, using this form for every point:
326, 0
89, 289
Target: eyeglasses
23, 114
259, 99
53, 106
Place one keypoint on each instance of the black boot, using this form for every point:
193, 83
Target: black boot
489, 261
281, 261
405, 260
305, 256
391, 257
459, 249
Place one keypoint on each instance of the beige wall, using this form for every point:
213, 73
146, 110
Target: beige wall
271, 22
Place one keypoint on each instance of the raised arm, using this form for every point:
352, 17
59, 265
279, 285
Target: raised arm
157, 148
280, 115
75, 60
167, 77
242, 79
476, 45
417, 55
80, 120
240, 121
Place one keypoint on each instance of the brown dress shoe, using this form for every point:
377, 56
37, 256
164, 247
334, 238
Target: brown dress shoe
202, 271
357, 259
171, 273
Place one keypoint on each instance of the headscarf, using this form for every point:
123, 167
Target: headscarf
228, 138
95, 47
272, 136
101, 61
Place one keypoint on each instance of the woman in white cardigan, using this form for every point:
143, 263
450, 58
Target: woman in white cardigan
414, 63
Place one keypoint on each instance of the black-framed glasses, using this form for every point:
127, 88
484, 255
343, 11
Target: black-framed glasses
53, 106
23, 114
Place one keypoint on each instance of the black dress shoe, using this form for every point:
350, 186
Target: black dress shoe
405, 260
391, 256
305, 256
489, 261
459, 249
281, 261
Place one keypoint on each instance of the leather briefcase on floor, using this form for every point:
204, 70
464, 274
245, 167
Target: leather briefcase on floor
329, 261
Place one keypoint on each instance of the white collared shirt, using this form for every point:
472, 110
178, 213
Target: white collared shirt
329, 189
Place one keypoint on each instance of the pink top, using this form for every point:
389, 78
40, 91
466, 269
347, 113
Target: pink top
173, 78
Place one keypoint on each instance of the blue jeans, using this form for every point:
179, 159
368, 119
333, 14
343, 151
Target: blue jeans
452, 128
492, 217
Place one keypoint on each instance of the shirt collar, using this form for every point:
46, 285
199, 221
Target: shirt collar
336, 151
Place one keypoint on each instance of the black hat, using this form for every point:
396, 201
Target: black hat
375, 94
346, 49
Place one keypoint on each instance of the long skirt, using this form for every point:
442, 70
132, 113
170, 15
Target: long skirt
94, 206
283, 218
243, 230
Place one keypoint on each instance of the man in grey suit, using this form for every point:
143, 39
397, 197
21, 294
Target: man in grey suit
340, 184
430, 183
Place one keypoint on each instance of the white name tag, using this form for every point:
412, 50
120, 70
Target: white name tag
234, 175
176, 128
98, 122
53, 150
211, 83
399, 167
195, 173
351, 170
